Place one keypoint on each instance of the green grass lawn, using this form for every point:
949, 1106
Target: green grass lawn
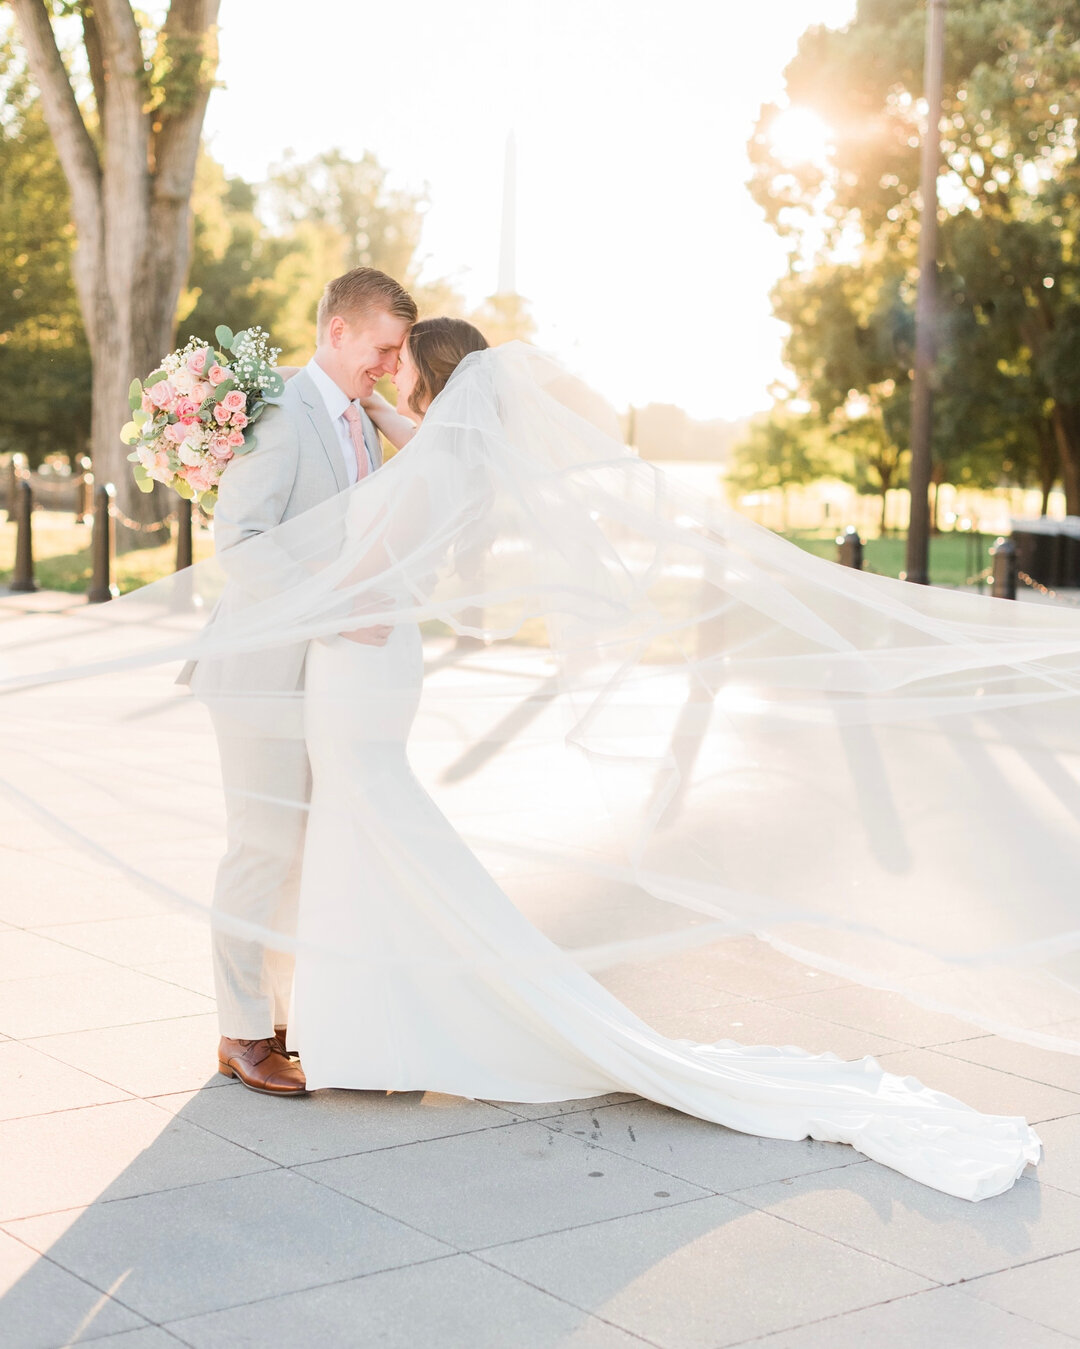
953, 557
62, 556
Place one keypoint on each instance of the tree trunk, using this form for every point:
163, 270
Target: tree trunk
131, 205
937, 477
1048, 462
884, 509
1065, 419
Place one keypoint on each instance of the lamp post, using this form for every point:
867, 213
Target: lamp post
918, 540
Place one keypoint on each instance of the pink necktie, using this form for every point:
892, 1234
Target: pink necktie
356, 434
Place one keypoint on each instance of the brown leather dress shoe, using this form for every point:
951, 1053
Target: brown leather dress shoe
262, 1065
282, 1033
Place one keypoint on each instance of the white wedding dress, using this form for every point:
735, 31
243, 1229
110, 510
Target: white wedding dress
463, 995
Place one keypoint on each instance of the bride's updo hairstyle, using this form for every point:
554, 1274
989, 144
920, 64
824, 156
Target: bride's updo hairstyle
437, 347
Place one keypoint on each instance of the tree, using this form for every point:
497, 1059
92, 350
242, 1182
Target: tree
235, 260
128, 152
43, 352
781, 450
1009, 291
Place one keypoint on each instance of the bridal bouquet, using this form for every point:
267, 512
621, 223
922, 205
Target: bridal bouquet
189, 416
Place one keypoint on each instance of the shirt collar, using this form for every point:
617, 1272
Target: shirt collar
332, 394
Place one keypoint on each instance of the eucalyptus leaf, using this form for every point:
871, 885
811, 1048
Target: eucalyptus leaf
207, 502
156, 378
183, 488
145, 485
129, 433
224, 335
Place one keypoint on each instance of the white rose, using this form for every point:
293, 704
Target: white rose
190, 455
183, 380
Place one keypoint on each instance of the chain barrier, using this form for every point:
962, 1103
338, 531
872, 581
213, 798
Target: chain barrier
1038, 586
156, 528
985, 575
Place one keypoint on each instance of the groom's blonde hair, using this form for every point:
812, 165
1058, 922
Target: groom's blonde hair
360, 293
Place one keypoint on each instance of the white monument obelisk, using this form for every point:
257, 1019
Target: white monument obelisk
508, 243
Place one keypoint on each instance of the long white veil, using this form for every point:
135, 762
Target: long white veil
658, 723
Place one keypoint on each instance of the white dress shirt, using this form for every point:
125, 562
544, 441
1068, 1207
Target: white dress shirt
336, 402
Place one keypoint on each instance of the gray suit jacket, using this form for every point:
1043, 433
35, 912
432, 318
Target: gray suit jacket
293, 462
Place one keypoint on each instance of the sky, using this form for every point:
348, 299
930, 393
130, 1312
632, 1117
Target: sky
645, 262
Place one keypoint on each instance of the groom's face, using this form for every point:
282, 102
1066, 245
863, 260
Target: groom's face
365, 350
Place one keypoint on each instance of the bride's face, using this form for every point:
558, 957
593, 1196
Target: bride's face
405, 382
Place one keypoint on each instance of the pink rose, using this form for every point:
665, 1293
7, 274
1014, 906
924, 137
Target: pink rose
239, 420
201, 478
221, 414
200, 391
196, 362
218, 375
147, 402
220, 447
235, 401
176, 432
161, 470
162, 393
236, 439
186, 409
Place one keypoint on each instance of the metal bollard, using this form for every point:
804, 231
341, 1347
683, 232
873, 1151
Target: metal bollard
22, 580
849, 548
1003, 565
183, 534
83, 488
101, 546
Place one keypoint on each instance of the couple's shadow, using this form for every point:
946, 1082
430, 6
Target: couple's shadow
346, 1218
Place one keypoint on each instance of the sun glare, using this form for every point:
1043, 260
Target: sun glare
800, 136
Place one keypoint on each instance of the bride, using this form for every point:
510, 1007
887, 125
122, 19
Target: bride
414, 971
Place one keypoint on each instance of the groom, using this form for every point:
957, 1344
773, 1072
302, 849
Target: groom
314, 441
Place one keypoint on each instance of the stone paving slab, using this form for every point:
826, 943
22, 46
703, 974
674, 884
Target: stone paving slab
1060, 1165
1027, 1061
135, 941
703, 1274
941, 1318
705, 1154
454, 1303
216, 1244
1046, 1291
108, 1152
42, 1305
477, 1189
35, 1084
146, 1058
59, 1004
883, 1013
872, 1209
987, 1089
329, 1124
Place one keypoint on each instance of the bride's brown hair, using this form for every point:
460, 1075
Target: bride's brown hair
438, 346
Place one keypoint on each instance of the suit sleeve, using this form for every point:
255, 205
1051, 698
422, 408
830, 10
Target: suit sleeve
256, 486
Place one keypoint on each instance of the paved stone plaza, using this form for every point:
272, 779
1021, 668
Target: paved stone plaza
146, 1201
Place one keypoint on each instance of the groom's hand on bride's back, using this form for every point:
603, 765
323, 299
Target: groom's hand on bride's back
376, 636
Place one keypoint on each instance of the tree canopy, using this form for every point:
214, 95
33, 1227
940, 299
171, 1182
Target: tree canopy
1008, 319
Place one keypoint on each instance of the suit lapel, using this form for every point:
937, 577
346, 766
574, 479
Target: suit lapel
320, 421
